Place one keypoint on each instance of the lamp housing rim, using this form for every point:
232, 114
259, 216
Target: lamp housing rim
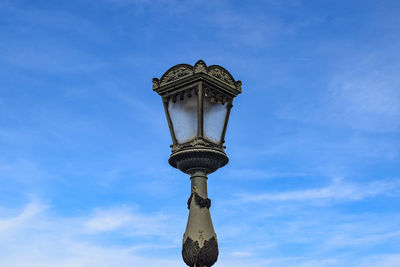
192, 159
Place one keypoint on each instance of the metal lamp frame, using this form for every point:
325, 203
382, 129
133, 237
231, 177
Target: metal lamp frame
199, 156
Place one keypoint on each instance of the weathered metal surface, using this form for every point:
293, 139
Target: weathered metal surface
202, 202
199, 156
207, 159
205, 256
199, 241
184, 73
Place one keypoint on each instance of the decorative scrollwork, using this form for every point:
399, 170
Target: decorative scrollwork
199, 142
196, 143
208, 254
201, 202
221, 74
205, 256
176, 73
186, 71
190, 250
215, 96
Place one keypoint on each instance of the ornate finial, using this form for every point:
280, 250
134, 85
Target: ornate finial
200, 66
156, 83
239, 85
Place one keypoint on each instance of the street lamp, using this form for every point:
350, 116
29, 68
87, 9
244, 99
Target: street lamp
197, 102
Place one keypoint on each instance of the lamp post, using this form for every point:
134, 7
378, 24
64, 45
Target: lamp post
197, 102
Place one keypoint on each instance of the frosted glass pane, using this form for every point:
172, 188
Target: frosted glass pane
184, 118
214, 119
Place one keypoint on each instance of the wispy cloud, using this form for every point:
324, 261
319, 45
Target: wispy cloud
321, 237
338, 190
362, 95
367, 96
125, 219
81, 127
22, 171
249, 174
30, 211
383, 260
72, 240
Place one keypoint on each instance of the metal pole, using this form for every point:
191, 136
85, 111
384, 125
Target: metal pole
200, 247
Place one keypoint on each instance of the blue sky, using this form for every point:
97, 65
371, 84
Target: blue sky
313, 141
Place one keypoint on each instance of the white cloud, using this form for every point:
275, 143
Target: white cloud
108, 220
258, 174
363, 94
241, 254
384, 260
367, 97
338, 190
80, 255
125, 219
23, 219
48, 240
34, 237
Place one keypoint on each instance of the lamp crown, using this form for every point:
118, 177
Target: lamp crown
183, 74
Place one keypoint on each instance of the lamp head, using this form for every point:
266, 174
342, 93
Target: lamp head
197, 101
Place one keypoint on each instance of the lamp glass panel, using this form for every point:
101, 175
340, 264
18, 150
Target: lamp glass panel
214, 115
183, 114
